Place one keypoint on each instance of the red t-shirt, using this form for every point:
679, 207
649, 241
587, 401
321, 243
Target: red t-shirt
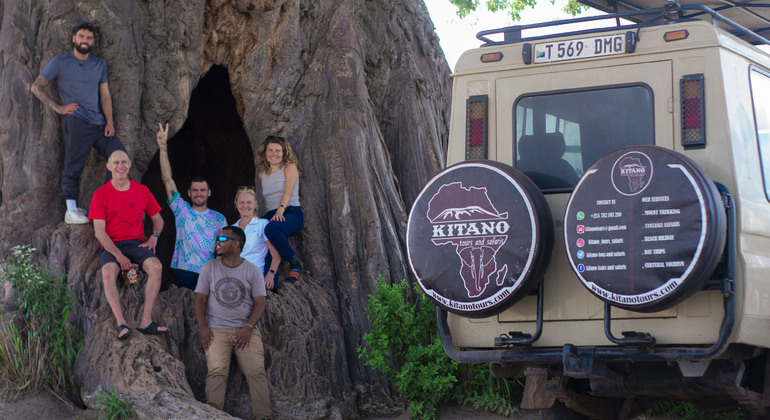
123, 211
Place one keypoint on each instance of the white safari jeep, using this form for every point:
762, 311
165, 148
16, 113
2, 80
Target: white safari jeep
605, 221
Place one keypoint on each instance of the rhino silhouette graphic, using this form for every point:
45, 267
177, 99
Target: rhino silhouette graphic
465, 217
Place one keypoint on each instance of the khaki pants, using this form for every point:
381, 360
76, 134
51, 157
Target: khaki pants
252, 363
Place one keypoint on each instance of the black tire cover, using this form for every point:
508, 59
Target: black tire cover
479, 238
645, 228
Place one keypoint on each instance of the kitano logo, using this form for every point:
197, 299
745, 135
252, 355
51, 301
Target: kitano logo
632, 173
464, 217
633, 169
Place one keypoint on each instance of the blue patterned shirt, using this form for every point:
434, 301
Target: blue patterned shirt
196, 234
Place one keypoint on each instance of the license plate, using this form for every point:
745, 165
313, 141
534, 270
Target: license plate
575, 49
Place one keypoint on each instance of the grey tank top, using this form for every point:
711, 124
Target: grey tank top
272, 190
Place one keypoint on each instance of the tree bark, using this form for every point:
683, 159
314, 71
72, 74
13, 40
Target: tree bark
361, 90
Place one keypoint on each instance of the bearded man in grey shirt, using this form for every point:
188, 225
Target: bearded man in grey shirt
86, 111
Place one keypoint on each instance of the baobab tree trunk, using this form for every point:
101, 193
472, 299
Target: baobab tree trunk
360, 89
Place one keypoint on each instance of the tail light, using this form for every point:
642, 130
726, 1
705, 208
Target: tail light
476, 127
693, 115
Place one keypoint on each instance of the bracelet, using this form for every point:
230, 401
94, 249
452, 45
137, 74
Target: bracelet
252, 327
281, 205
164, 149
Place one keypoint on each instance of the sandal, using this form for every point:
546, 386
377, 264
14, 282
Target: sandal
152, 329
121, 328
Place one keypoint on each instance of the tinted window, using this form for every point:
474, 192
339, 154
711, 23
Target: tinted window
560, 135
760, 91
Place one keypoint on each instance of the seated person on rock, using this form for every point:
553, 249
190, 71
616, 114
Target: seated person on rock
229, 302
279, 176
257, 245
117, 211
197, 225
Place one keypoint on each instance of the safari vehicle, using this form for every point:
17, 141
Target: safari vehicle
604, 222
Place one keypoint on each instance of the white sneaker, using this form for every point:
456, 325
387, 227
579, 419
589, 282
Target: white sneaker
75, 217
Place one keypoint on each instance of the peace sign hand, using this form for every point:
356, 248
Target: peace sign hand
162, 136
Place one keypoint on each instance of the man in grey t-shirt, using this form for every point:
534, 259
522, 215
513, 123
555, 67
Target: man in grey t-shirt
86, 111
229, 301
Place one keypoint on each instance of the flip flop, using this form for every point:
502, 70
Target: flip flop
151, 329
122, 327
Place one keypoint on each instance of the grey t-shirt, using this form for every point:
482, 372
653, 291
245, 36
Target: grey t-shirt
78, 82
230, 291
272, 189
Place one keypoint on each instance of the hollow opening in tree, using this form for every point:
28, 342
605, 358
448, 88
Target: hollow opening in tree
212, 143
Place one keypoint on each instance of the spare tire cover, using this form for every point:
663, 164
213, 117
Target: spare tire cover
644, 228
479, 237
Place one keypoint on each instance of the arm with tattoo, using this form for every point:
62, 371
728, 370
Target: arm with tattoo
39, 89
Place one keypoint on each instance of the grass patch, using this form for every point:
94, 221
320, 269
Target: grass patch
111, 406
687, 411
40, 354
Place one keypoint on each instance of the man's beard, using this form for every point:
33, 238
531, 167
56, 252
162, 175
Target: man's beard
83, 48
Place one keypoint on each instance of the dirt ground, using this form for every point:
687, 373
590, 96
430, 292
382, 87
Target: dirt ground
47, 406
44, 406
460, 412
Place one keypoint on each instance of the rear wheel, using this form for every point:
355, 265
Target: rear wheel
644, 228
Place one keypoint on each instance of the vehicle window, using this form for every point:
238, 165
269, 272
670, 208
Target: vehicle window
561, 134
760, 89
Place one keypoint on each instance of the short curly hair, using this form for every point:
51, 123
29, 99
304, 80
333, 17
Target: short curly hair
85, 25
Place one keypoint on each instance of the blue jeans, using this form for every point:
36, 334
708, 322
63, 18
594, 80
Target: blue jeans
277, 232
188, 279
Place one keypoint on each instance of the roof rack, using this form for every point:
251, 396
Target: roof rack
671, 12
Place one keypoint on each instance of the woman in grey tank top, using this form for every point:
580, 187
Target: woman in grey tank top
279, 176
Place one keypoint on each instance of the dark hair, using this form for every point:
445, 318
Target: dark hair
85, 25
240, 236
199, 178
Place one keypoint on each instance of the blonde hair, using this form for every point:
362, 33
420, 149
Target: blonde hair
246, 190
288, 154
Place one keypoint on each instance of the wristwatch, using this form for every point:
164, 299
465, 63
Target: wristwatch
156, 234
252, 327
271, 271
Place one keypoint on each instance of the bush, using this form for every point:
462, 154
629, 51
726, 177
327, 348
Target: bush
405, 348
43, 303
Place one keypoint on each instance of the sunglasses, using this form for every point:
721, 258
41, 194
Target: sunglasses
224, 238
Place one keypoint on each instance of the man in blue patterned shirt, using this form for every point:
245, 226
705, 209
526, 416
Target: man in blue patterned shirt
196, 225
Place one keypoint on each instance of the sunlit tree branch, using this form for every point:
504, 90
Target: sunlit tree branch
513, 7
